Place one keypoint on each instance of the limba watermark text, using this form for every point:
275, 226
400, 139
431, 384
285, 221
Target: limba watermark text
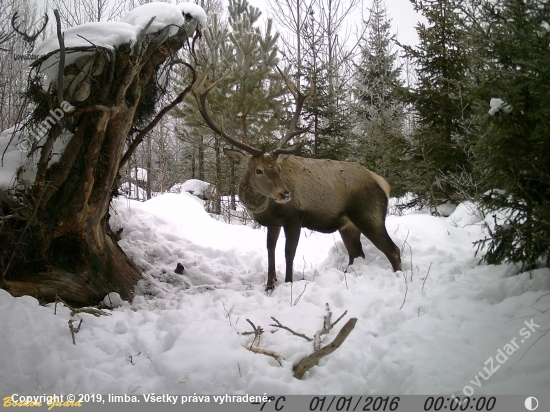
40, 130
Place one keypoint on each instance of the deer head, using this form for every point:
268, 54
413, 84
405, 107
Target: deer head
262, 174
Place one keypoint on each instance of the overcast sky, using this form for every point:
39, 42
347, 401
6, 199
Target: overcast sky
404, 20
401, 12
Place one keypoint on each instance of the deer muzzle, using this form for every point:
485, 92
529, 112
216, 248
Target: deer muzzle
283, 197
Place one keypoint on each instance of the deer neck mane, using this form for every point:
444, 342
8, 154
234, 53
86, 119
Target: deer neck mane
254, 201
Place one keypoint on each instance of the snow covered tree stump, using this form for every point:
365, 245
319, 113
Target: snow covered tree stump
55, 237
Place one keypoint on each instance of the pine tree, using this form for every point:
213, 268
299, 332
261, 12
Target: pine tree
248, 102
442, 102
330, 113
258, 87
514, 150
216, 52
380, 144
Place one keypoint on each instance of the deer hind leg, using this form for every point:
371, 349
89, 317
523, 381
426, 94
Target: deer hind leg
377, 234
351, 236
371, 222
272, 237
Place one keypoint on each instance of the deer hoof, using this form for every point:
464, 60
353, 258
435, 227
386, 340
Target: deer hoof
269, 290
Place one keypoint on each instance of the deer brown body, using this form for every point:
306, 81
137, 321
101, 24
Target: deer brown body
323, 195
290, 192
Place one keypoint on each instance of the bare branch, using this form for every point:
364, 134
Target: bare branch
92, 311
4, 38
279, 325
73, 329
254, 346
427, 275
327, 326
226, 311
61, 40
139, 138
338, 320
257, 332
303, 291
266, 352
406, 289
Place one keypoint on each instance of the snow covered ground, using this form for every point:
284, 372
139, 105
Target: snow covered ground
182, 334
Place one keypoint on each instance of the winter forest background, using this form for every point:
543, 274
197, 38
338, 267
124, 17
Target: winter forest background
417, 115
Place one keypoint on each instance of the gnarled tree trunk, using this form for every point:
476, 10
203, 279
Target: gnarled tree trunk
57, 239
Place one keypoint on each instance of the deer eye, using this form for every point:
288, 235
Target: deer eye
259, 171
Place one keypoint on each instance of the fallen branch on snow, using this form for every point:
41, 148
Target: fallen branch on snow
311, 360
74, 311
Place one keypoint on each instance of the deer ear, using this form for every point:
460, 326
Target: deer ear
236, 157
282, 157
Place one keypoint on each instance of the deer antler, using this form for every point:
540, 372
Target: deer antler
300, 99
200, 94
28, 37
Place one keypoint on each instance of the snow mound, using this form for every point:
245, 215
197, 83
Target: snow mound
112, 300
103, 34
195, 187
140, 174
165, 15
194, 10
446, 209
466, 213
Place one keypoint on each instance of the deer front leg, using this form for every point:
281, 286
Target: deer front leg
292, 233
272, 236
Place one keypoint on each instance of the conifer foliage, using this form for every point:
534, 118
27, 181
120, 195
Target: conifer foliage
442, 101
380, 144
514, 149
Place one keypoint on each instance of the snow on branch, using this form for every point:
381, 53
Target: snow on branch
497, 105
86, 39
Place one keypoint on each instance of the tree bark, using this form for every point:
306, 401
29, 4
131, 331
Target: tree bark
218, 181
65, 245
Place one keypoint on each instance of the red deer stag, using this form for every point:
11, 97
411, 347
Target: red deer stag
282, 190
